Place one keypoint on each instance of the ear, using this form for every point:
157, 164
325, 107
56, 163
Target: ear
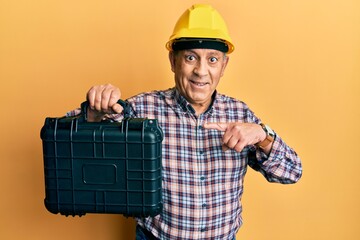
226, 61
172, 60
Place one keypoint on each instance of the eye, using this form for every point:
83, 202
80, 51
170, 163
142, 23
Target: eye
190, 57
213, 59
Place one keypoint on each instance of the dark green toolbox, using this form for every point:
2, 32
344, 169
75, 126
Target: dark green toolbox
105, 167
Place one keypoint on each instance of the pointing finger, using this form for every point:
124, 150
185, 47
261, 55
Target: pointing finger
221, 126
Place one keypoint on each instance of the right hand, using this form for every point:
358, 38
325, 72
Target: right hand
102, 100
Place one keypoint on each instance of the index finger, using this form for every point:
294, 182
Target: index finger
220, 126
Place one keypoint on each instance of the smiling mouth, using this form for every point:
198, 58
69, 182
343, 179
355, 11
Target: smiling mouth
200, 84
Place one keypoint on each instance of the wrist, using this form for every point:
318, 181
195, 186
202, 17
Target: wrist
268, 137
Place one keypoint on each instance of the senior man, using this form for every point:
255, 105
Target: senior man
209, 138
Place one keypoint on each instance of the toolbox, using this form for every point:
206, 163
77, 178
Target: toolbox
102, 167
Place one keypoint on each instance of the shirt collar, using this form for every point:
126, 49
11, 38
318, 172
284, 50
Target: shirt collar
186, 106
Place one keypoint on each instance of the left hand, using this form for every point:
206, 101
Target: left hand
238, 135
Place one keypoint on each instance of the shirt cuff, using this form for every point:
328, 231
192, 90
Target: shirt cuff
277, 151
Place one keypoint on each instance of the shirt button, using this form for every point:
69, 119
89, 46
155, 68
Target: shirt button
202, 178
203, 229
204, 205
201, 152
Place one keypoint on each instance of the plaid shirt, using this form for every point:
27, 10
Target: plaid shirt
203, 185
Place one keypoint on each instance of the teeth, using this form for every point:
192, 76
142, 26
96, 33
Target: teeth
200, 84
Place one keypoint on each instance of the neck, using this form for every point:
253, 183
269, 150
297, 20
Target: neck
200, 108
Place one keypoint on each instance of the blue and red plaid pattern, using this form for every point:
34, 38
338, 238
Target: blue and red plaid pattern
202, 184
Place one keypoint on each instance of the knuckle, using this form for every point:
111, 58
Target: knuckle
231, 144
98, 98
238, 148
238, 128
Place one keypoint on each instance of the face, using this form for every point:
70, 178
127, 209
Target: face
197, 74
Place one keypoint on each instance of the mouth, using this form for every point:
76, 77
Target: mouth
199, 84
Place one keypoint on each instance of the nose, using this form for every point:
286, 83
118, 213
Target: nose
200, 68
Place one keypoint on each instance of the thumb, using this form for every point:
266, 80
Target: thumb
117, 108
221, 126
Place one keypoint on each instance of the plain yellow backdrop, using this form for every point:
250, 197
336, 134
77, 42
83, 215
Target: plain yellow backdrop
296, 64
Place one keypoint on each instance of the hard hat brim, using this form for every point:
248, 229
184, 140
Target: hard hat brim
199, 43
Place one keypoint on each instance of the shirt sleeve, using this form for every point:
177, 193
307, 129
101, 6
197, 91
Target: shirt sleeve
73, 112
282, 165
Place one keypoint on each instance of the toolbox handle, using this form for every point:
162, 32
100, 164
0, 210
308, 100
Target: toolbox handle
124, 104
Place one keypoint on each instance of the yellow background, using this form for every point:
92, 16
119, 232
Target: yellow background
296, 64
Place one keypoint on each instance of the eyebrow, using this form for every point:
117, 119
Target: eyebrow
212, 52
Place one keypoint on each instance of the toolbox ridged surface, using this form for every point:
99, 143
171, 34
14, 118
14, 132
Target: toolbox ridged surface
102, 167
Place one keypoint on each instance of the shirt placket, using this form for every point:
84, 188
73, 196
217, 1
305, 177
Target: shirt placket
202, 203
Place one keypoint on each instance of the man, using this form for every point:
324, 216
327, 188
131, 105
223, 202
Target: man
209, 138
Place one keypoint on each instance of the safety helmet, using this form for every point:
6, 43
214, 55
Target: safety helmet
203, 24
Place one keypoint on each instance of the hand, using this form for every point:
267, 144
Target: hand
103, 100
238, 135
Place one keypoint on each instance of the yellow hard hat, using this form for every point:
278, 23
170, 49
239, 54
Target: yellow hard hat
203, 25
